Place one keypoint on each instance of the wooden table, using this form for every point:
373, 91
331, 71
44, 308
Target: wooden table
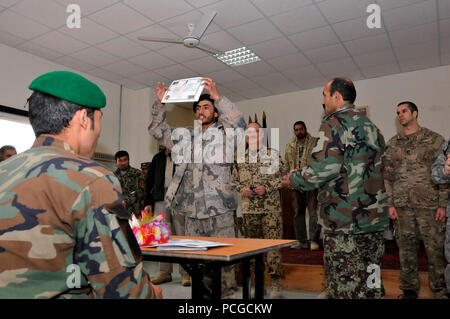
241, 250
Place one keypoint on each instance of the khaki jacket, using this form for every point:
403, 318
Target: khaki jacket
291, 153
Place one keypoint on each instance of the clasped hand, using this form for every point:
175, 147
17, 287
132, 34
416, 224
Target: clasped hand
259, 190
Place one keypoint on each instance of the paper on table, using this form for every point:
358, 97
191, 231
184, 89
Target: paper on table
184, 90
188, 244
181, 248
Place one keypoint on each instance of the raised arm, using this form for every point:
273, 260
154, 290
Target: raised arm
158, 127
229, 115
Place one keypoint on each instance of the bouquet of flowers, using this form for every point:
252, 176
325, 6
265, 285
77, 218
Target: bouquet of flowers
149, 230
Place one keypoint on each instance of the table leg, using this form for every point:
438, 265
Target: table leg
217, 281
197, 291
259, 276
246, 279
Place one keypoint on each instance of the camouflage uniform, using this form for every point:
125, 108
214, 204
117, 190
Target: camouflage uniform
303, 200
353, 282
133, 187
262, 214
57, 211
346, 167
204, 192
144, 168
438, 176
407, 172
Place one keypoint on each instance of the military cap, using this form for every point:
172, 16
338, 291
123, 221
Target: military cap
71, 87
145, 165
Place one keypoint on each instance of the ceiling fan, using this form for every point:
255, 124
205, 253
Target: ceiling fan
192, 40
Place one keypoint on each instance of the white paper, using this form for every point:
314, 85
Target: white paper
188, 244
184, 90
164, 248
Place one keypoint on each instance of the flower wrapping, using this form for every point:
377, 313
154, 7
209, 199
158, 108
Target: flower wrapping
149, 229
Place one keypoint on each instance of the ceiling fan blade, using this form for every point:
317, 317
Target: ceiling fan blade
201, 26
208, 49
161, 40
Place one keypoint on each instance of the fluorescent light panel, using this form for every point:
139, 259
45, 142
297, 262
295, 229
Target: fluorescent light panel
239, 56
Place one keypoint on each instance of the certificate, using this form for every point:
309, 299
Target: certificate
184, 90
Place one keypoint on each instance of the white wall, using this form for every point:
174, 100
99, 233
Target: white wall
18, 69
428, 89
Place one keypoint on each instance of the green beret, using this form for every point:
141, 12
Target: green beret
71, 87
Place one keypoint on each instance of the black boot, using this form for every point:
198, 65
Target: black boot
409, 294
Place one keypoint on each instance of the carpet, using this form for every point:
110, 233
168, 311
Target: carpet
390, 258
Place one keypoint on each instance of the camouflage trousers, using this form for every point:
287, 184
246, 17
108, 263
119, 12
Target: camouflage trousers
133, 206
447, 252
217, 226
303, 200
352, 265
267, 226
413, 224
175, 220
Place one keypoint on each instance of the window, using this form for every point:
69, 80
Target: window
15, 129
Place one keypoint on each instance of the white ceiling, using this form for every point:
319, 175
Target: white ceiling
302, 43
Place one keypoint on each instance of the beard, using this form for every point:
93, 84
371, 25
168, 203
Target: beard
207, 120
405, 123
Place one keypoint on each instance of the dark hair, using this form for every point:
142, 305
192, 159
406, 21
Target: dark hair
345, 87
120, 154
204, 97
6, 148
411, 106
299, 123
50, 115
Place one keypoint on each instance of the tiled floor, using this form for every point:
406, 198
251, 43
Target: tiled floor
174, 289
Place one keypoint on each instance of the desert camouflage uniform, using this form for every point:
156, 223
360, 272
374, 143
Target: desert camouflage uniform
203, 191
262, 214
407, 173
303, 200
133, 186
438, 176
56, 210
346, 167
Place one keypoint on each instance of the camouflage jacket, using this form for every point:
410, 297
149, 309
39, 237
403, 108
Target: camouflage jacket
248, 175
133, 188
407, 170
58, 232
437, 174
200, 188
291, 153
346, 167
